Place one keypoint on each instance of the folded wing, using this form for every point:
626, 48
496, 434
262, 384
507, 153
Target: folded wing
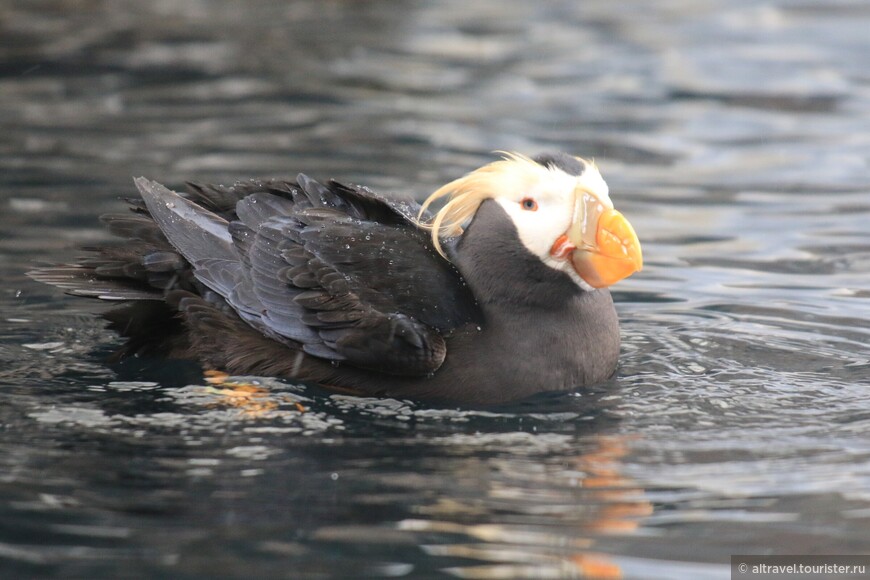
335, 270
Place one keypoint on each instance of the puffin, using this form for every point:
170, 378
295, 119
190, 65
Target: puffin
500, 294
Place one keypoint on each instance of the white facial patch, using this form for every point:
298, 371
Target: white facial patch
554, 193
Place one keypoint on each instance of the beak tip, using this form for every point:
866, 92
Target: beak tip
638, 258
616, 252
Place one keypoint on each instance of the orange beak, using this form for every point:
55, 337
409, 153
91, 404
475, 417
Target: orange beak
600, 243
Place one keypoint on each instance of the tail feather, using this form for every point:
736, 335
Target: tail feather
82, 280
141, 271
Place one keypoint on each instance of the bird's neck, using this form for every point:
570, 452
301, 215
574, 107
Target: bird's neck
501, 272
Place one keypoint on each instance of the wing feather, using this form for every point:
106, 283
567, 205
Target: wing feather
337, 271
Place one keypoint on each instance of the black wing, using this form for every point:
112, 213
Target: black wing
142, 269
339, 270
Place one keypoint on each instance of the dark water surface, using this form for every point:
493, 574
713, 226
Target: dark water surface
735, 136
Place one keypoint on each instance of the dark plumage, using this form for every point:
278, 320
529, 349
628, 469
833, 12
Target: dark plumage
337, 285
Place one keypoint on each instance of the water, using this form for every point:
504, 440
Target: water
734, 136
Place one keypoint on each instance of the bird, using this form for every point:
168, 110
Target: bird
500, 294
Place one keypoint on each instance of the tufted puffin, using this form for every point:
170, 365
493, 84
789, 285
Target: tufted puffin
500, 294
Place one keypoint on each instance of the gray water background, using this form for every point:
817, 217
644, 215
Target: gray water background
735, 135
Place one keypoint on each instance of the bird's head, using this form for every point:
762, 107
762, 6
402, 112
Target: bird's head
561, 208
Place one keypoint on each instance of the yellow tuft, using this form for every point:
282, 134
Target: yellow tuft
511, 173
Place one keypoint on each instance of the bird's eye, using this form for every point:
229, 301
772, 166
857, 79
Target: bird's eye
529, 204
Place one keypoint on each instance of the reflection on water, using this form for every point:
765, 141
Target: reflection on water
585, 494
734, 136
521, 495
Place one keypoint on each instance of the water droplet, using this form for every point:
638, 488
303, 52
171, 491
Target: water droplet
170, 205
